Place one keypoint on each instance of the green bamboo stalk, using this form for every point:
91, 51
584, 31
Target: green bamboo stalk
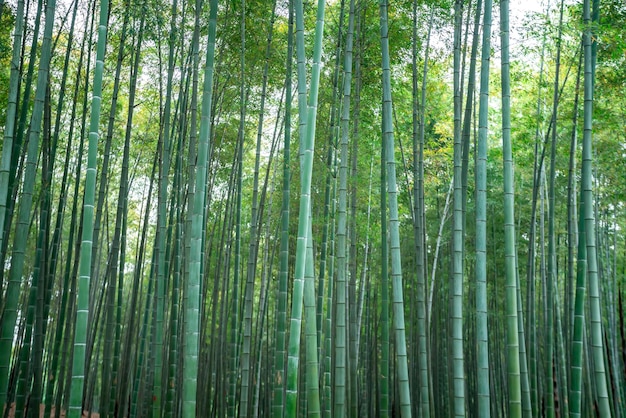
9, 133
109, 281
53, 364
328, 190
365, 276
80, 336
578, 331
192, 290
482, 335
328, 322
551, 283
259, 357
306, 161
353, 328
95, 342
456, 314
18, 151
396, 268
25, 204
384, 403
234, 319
597, 341
191, 173
96, 284
340, 398
513, 362
165, 144
418, 211
534, 356
227, 228
141, 373
47, 268
255, 224
572, 226
310, 331
73, 248
24, 365
117, 248
560, 362
61, 315
175, 334
117, 350
135, 355
469, 116
281, 315
552, 269
576, 311
41, 266
524, 375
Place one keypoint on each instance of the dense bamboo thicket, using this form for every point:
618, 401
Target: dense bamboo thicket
332, 208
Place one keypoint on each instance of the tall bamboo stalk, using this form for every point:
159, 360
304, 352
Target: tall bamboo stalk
418, 211
384, 402
307, 135
597, 340
456, 288
281, 304
25, 204
341, 400
394, 243
83, 305
512, 335
482, 335
193, 283
9, 133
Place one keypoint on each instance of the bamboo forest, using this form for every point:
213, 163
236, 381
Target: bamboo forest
298, 208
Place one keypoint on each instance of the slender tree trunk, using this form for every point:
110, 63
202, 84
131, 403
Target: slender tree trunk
418, 211
254, 243
281, 315
396, 268
83, 305
341, 399
308, 117
9, 133
25, 204
597, 343
577, 279
456, 315
192, 290
482, 335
